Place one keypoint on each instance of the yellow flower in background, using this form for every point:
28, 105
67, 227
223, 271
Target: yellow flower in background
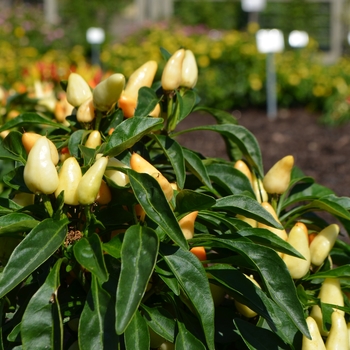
19, 32
255, 82
294, 79
203, 61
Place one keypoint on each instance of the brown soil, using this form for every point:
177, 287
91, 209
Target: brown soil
319, 151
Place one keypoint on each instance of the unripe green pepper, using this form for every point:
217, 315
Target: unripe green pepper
69, 179
277, 179
108, 91
338, 338
322, 244
40, 174
189, 74
78, 90
298, 238
172, 72
316, 342
90, 183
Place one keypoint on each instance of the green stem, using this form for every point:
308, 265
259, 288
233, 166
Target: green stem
98, 118
87, 220
47, 203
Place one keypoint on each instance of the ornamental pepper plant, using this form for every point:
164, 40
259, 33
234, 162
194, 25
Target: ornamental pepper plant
115, 236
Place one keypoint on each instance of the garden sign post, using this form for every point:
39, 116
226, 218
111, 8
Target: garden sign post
270, 41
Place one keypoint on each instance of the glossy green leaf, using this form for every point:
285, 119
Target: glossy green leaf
76, 139
256, 338
127, 133
41, 326
16, 223
14, 179
136, 336
188, 101
305, 192
275, 275
40, 243
196, 167
89, 254
193, 280
113, 247
229, 178
218, 219
146, 102
331, 204
152, 199
6, 154
188, 200
13, 144
186, 340
138, 258
336, 272
267, 238
174, 153
222, 117
28, 118
246, 206
244, 140
161, 321
96, 324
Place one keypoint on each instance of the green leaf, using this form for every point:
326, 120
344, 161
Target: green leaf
146, 102
34, 249
113, 247
267, 238
174, 153
127, 133
275, 275
152, 199
222, 117
244, 140
229, 178
331, 204
75, 140
13, 144
246, 206
186, 340
41, 326
136, 336
89, 254
305, 192
138, 258
188, 101
336, 272
188, 200
16, 223
96, 325
193, 280
256, 338
28, 118
161, 321
14, 179
196, 167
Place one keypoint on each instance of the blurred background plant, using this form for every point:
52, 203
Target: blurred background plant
232, 71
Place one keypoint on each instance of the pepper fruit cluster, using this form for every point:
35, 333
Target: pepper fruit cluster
153, 245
